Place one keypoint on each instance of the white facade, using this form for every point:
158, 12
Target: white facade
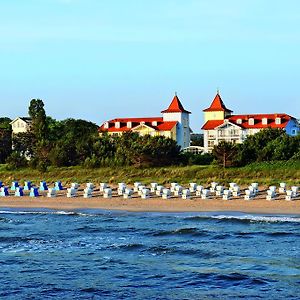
20, 125
183, 130
234, 133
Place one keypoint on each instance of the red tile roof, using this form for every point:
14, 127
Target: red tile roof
217, 105
258, 120
212, 124
161, 125
175, 106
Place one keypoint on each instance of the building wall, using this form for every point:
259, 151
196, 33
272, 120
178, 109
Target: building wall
292, 128
19, 126
182, 128
213, 115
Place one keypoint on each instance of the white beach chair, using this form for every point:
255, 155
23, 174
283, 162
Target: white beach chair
166, 194
227, 195
71, 193
295, 191
289, 195
75, 186
51, 193
232, 185
254, 186
205, 194
249, 194
199, 190
121, 188
186, 194
154, 186
213, 187
103, 185
173, 185
87, 193
141, 187
271, 194
90, 186
236, 191
178, 190
107, 193
159, 190
145, 193
128, 193
219, 190
193, 187
282, 188
136, 186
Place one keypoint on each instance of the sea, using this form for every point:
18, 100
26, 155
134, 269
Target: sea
94, 254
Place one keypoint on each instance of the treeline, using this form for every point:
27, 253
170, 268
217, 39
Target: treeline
265, 146
77, 142
74, 142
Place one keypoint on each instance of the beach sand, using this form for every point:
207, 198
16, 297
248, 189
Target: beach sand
195, 204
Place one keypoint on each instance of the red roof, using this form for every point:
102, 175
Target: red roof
217, 105
212, 124
161, 125
209, 125
175, 106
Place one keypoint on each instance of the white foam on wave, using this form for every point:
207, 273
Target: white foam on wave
252, 218
59, 212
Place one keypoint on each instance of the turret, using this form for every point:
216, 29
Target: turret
176, 112
217, 110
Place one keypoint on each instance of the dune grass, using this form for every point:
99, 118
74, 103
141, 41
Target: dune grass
263, 173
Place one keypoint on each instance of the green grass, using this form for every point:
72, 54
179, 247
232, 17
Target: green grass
263, 173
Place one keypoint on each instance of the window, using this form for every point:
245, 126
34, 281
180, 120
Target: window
117, 124
239, 121
211, 143
264, 121
251, 121
278, 121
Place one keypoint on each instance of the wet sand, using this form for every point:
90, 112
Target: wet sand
175, 204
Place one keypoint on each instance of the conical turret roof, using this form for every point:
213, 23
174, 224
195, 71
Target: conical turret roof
217, 105
175, 106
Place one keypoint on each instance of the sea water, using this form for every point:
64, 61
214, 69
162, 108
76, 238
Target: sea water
123, 255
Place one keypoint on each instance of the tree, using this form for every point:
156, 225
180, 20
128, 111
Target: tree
5, 139
255, 147
38, 115
225, 153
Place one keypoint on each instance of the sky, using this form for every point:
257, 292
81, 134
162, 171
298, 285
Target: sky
102, 59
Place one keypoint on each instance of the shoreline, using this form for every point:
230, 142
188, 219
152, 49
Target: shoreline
258, 206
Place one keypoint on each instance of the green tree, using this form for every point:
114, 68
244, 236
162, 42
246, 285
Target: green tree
225, 153
5, 139
38, 115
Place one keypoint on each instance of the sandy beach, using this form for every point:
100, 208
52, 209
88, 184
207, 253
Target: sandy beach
257, 205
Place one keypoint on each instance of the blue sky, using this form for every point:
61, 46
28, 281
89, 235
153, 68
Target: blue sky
98, 60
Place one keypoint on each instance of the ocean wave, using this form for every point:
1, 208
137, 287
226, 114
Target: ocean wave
259, 219
40, 212
246, 218
180, 231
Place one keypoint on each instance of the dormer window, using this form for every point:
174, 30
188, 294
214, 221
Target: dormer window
117, 124
264, 121
154, 123
129, 124
278, 121
251, 121
142, 123
106, 125
239, 121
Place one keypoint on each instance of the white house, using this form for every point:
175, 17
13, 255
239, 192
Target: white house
20, 125
173, 124
222, 125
